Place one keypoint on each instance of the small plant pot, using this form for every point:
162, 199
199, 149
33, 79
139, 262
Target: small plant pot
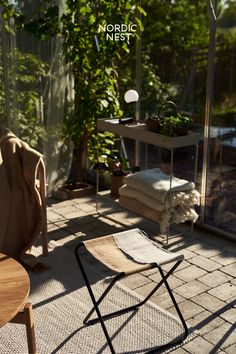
181, 131
116, 183
153, 124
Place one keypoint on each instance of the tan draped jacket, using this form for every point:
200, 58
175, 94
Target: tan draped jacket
22, 195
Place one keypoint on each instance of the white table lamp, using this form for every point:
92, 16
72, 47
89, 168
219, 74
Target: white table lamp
131, 96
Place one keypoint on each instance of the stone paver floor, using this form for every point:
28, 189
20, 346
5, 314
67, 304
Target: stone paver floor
204, 284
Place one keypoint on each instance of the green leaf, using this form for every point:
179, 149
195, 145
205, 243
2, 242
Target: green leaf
128, 5
139, 22
104, 103
9, 29
142, 11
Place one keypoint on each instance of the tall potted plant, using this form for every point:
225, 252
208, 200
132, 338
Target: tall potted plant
93, 57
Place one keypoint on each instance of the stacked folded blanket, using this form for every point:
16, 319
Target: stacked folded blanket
151, 188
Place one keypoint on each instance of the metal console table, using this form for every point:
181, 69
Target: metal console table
139, 133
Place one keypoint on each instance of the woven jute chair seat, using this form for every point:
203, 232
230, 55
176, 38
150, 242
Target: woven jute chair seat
107, 251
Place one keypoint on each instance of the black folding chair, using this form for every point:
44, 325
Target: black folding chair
105, 249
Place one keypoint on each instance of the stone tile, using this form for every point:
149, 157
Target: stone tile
205, 263
152, 229
188, 309
66, 210
82, 220
191, 289
172, 280
196, 245
190, 273
57, 234
86, 207
233, 281
188, 254
205, 321
231, 302
224, 291
86, 199
75, 214
198, 345
120, 215
223, 336
229, 315
163, 300
55, 204
68, 239
148, 272
51, 216
183, 265
224, 258
216, 241
215, 278
135, 281
178, 239
230, 269
180, 351
178, 245
209, 302
68, 226
231, 349
145, 289
230, 247
134, 219
205, 250
107, 221
51, 226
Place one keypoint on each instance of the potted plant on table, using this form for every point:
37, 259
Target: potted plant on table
172, 123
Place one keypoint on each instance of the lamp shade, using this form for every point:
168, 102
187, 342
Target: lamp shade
131, 96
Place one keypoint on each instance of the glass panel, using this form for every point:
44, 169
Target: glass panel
34, 85
174, 63
220, 208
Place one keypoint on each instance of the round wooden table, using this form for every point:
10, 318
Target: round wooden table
14, 291
14, 288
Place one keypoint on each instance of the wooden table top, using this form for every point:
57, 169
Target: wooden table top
14, 288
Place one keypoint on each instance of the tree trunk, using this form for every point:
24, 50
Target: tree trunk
77, 164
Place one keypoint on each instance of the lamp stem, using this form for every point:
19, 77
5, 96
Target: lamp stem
134, 112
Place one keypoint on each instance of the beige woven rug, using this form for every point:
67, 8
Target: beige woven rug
61, 301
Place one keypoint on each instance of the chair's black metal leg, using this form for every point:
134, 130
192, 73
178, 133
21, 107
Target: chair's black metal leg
159, 284
94, 300
101, 318
114, 314
175, 303
132, 307
106, 291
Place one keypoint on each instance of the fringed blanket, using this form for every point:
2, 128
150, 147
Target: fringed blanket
176, 206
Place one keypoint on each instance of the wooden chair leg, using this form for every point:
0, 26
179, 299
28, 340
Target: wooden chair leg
29, 323
25, 317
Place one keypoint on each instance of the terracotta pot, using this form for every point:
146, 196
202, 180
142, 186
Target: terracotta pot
116, 183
